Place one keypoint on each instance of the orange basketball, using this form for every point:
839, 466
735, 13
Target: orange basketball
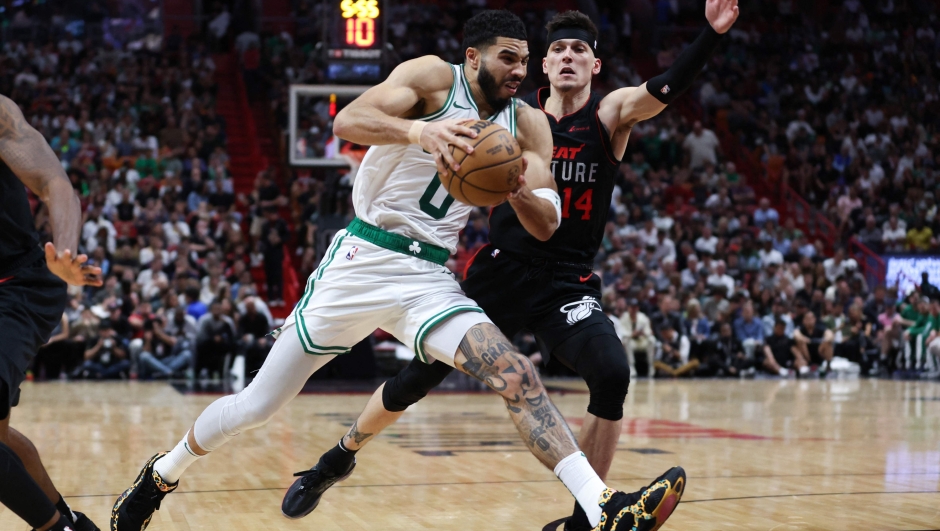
491, 172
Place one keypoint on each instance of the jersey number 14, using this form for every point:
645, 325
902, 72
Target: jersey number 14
583, 203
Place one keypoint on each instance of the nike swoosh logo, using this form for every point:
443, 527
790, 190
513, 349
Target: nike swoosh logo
585, 279
459, 107
2, 280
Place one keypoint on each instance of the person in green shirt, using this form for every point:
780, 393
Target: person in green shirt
924, 321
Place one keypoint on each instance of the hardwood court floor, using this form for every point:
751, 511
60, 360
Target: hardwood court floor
761, 455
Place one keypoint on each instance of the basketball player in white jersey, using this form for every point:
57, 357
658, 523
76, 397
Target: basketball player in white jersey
385, 270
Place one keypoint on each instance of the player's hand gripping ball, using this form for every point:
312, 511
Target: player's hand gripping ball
488, 175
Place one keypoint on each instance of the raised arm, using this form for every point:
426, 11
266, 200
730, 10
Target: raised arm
623, 108
536, 200
387, 113
26, 152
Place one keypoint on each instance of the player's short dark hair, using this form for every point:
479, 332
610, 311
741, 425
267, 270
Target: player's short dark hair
481, 30
572, 19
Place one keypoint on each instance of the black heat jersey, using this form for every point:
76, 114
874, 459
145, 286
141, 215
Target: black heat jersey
19, 241
584, 167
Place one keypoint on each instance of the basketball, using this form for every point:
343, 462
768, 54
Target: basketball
491, 172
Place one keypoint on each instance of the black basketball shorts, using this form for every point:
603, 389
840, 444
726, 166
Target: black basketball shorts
32, 300
555, 302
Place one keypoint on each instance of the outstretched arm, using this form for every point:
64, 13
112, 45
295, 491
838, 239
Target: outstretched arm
623, 108
536, 200
26, 152
386, 113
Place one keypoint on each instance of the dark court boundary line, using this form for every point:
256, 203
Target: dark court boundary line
467, 483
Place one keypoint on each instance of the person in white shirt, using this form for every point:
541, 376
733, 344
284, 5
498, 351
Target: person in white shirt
768, 255
648, 234
175, 229
720, 278
800, 124
702, 145
638, 336
690, 273
665, 248
707, 242
835, 266
894, 235
153, 280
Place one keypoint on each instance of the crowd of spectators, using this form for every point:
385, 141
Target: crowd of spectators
701, 275
842, 102
140, 138
719, 281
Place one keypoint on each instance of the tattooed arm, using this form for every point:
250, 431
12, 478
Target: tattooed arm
26, 152
488, 356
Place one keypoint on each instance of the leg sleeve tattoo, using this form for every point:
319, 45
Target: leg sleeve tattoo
488, 356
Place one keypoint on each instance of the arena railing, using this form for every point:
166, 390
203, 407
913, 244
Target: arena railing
791, 204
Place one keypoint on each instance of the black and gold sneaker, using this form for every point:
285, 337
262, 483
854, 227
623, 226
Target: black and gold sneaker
304, 494
644, 510
134, 508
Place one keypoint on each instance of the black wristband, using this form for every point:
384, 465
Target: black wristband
669, 85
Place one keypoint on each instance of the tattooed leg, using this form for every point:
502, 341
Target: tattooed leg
373, 419
487, 355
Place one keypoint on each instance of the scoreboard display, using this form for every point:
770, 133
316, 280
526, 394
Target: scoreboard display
356, 38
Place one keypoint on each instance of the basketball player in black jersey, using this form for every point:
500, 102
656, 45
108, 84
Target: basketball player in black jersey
32, 299
549, 287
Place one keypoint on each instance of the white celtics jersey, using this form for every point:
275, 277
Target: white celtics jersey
397, 187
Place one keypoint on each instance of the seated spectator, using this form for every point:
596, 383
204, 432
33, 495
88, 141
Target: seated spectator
172, 345
749, 330
672, 358
724, 355
720, 278
215, 340
781, 354
194, 305
765, 213
767, 254
890, 329
698, 326
253, 327
716, 306
667, 314
918, 337
707, 242
919, 237
106, 358
870, 235
853, 336
639, 336
815, 341
894, 235
779, 312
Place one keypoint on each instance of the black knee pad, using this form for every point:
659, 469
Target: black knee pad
602, 363
413, 383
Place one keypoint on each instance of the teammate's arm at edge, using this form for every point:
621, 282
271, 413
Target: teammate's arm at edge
34, 163
387, 113
536, 200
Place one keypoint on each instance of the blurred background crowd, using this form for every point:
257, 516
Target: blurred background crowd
744, 236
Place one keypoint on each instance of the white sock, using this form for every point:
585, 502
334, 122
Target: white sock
586, 486
172, 465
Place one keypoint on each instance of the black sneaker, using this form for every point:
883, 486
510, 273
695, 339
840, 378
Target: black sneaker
304, 495
646, 509
83, 523
134, 508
